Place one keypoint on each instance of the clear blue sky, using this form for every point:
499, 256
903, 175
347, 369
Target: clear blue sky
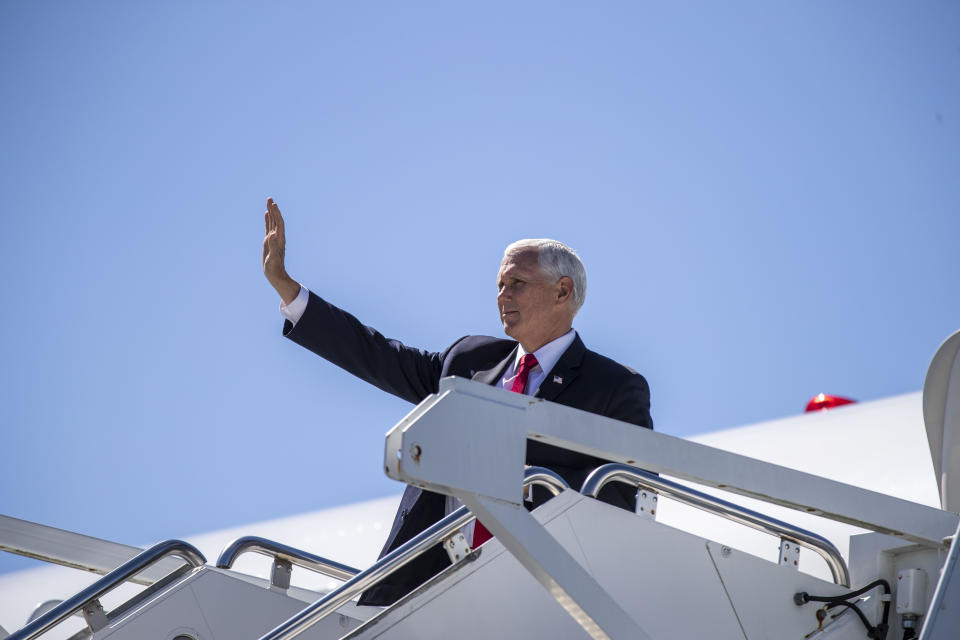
767, 199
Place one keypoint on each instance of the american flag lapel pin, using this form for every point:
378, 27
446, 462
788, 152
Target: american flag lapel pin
557, 380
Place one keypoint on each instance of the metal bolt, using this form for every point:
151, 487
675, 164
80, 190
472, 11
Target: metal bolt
724, 551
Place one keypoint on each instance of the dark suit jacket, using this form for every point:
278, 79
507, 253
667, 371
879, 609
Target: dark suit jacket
590, 382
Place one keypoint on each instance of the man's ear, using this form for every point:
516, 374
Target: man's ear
564, 289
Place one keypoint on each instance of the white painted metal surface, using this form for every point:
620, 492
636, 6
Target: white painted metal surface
73, 549
621, 442
572, 586
941, 413
496, 421
215, 604
635, 560
666, 579
352, 534
763, 603
823, 445
943, 616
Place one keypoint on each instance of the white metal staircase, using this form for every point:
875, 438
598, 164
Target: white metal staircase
575, 567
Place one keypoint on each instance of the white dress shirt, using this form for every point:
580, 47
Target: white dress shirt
294, 311
547, 357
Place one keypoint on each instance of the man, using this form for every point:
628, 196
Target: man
541, 286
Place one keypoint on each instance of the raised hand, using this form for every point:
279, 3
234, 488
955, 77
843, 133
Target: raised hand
274, 247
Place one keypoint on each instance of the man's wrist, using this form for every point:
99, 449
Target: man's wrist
288, 288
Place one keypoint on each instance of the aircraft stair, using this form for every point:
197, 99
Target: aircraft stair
573, 568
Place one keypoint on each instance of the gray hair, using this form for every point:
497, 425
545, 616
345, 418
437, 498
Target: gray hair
557, 260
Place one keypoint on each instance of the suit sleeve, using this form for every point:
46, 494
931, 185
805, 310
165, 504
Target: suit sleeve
337, 336
631, 402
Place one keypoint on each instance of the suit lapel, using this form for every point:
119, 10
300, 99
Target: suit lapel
492, 376
564, 372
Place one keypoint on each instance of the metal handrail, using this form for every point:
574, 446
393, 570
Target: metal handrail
280, 551
544, 477
108, 582
399, 557
631, 475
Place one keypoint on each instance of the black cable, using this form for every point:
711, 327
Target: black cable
878, 632
803, 596
856, 609
883, 627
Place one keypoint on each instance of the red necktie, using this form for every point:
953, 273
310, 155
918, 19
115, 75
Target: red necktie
527, 363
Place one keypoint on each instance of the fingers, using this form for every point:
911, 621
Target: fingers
270, 217
272, 252
279, 218
273, 240
276, 217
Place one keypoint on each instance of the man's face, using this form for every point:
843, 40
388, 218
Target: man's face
534, 309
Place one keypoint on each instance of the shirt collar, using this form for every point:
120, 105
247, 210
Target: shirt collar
548, 355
